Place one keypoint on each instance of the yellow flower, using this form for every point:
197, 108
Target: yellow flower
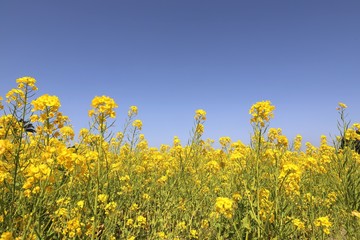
181, 226
16, 95
342, 105
110, 207
194, 234
67, 132
297, 142
146, 197
34, 118
298, 224
80, 204
199, 129
282, 141
356, 126
46, 101
61, 212
352, 134
138, 124
237, 197
133, 110
1, 106
355, 214
103, 105
141, 220
5, 145
102, 198
205, 224
212, 166
261, 112
225, 141
274, 133
26, 81
225, 206
134, 207
129, 222
200, 114
6, 236
162, 179
73, 227
290, 175
176, 141
161, 235
323, 222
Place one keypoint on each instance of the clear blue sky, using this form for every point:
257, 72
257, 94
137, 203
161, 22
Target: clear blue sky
172, 57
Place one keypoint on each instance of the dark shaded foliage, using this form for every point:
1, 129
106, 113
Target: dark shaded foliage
28, 127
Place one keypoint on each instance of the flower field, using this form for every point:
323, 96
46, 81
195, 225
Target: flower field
112, 185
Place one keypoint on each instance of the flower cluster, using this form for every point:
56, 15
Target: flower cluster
261, 112
26, 81
104, 106
46, 102
324, 223
225, 206
200, 115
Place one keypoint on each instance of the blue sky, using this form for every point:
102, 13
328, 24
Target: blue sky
172, 57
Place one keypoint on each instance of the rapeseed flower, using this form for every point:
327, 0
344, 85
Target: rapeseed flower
161, 235
134, 207
80, 204
225, 141
133, 110
298, 224
61, 212
352, 134
146, 197
341, 106
104, 106
129, 222
237, 197
102, 198
200, 115
138, 124
67, 132
297, 142
282, 141
194, 234
224, 206
110, 207
176, 141
141, 220
324, 223
52, 103
274, 133
199, 129
29, 81
290, 176
17, 96
266, 206
73, 228
6, 236
5, 145
181, 226
261, 112
356, 214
